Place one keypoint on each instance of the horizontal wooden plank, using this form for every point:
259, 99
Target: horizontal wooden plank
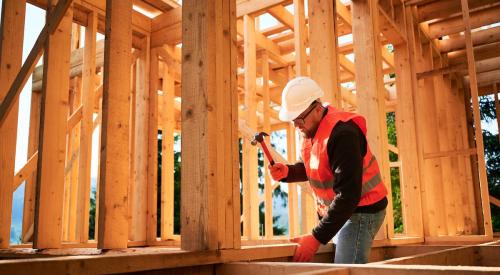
352, 269
445, 8
254, 7
452, 256
456, 24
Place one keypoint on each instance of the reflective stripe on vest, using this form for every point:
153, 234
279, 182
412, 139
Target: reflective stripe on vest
321, 177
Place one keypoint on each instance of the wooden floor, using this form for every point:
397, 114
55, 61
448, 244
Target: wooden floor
267, 259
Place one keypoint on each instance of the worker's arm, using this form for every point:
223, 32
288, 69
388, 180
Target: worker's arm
346, 148
296, 173
288, 173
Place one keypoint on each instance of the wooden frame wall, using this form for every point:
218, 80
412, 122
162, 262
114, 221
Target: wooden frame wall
427, 163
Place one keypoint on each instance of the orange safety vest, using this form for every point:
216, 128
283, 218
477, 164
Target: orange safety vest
320, 175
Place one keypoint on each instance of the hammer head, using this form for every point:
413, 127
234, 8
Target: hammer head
259, 137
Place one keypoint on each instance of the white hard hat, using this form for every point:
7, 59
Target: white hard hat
297, 95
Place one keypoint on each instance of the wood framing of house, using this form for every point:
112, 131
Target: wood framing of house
209, 72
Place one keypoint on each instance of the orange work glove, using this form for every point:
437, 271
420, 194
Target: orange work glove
308, 245
278, 171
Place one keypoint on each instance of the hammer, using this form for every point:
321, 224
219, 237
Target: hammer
259, 137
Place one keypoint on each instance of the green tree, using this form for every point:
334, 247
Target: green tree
492, 155
395, 180
92, 215
177, 184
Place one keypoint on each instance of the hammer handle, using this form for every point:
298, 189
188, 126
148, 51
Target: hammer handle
268, 154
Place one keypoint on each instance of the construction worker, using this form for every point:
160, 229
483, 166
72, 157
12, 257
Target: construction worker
341, 170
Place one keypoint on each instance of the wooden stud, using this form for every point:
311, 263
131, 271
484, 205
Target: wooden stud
138, 197
30, 185
300, 38
370, 90
407, 142
71, 168
167, 125
11, 46
293, 214
86, 127
483, 181
250, 175
471, 161
268, 192
152, 159
72, 150
429, 169
52, 139
323, 49
209, 181
114, 166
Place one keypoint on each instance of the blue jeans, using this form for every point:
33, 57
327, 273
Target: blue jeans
354, 240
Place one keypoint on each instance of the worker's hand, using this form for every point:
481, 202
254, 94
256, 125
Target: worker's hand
278, 171
308, 245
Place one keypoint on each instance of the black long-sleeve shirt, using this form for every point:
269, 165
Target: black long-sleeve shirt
346, 148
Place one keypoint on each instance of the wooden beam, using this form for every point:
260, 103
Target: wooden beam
250, 175
30, 185
494, 201
282, 15
167, 125
166, 19
266, 126
454, 25
482, 52
11, 47
300, 38
323, 49
152, 149
72, 158
249, 268
453, 256
442, 70
210, 178
485, 78
481, 37
370, 88
483, 181
25, 172
293, 209
52, 139
449, 164
445, 8
86, 127
114, 168
255, 7
139, 190
33, 57
389, 28
407, 142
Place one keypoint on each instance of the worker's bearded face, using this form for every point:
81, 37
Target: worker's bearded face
307, 122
